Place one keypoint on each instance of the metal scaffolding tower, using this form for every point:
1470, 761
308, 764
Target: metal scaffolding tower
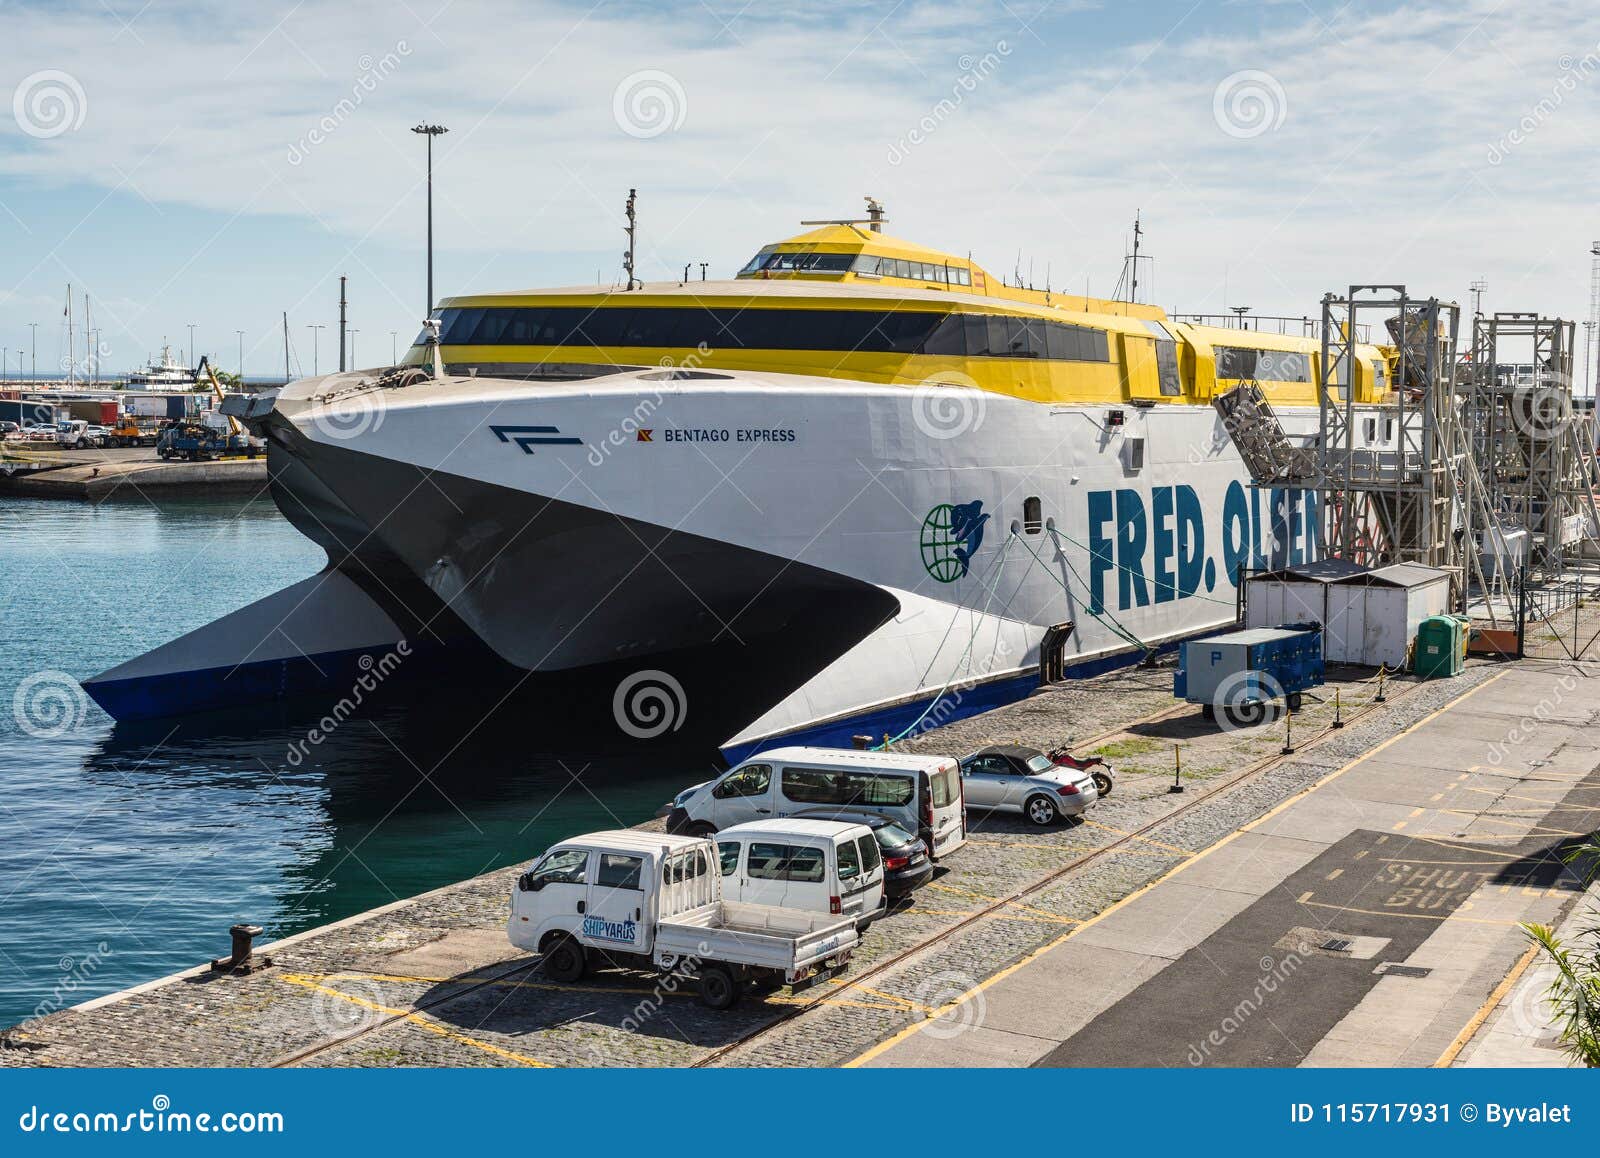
1535, 450
1394, 502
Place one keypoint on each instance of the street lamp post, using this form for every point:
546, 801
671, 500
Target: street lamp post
34, 371
394, 348
241, 356
192, 361
314, 330
430, 132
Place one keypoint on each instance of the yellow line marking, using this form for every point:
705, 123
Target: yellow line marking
1411, 916
894, 998
1470, 1030
1399, 824
415, 1019
917, 1026
505, 983
1416, 812
1559, 802
1362, 853
1303, 898
1436, 797
1335, 874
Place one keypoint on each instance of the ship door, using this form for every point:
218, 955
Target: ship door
1053, 654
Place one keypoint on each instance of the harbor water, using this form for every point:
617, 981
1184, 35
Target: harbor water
126, 852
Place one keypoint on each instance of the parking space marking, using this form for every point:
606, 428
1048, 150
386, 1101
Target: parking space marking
1282, 806
502, 983
1499, 795
415, 1019
1410, 916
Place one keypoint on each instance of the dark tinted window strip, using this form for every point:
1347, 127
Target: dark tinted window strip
869, 331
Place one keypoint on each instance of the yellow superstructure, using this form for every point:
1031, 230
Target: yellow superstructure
842, 301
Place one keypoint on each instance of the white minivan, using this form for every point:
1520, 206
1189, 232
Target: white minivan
822, 866
922, 794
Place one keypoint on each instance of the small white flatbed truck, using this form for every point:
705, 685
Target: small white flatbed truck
652, 901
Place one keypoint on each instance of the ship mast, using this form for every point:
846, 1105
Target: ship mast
70, 338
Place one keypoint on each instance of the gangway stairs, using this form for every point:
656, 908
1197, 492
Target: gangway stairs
1259, 437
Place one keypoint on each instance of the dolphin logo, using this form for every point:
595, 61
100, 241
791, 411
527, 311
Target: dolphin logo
966, 528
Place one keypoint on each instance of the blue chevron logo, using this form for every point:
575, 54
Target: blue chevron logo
529, 437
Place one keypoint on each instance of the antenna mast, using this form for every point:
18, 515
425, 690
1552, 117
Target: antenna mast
630, 229
1133, 292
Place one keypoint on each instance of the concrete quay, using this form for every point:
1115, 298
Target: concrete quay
1065, 945
100, 474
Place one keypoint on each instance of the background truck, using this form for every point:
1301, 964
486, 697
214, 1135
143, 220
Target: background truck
132, 431
653, 900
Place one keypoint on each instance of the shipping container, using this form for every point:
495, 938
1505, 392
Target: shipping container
25, 412
94, 412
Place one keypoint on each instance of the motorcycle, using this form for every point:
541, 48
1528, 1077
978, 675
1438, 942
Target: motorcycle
1104, 775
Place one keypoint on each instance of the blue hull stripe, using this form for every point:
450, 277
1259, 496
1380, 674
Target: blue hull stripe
177, 693
895, 718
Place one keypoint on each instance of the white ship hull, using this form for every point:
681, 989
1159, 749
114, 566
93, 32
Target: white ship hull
795, 533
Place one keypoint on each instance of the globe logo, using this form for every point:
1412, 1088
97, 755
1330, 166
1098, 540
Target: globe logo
951, 535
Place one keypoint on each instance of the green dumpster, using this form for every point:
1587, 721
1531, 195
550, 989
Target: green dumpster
1441, 647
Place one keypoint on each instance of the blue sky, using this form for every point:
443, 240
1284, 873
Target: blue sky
217, 165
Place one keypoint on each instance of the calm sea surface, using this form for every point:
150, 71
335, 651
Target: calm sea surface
125, 853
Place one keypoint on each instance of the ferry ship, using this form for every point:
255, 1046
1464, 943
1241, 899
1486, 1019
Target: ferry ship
863, 487
166, 374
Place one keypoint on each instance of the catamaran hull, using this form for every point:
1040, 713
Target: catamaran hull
801, 557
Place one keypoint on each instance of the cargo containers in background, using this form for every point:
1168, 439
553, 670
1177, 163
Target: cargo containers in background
22, 413
147, 405
96, 413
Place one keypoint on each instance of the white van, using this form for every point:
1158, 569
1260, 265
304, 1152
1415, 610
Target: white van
648, 901
822, 866
922, 794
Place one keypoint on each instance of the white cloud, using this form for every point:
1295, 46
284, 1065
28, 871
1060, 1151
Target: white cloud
1379, 171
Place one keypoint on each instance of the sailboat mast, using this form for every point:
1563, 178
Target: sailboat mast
70, 338
286, 376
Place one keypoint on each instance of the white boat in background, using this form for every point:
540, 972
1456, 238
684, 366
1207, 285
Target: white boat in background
166, 374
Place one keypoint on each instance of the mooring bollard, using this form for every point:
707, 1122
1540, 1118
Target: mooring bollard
243, 959
1177, 770
1288, 732
1378, 699
861, 742
1337, 722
